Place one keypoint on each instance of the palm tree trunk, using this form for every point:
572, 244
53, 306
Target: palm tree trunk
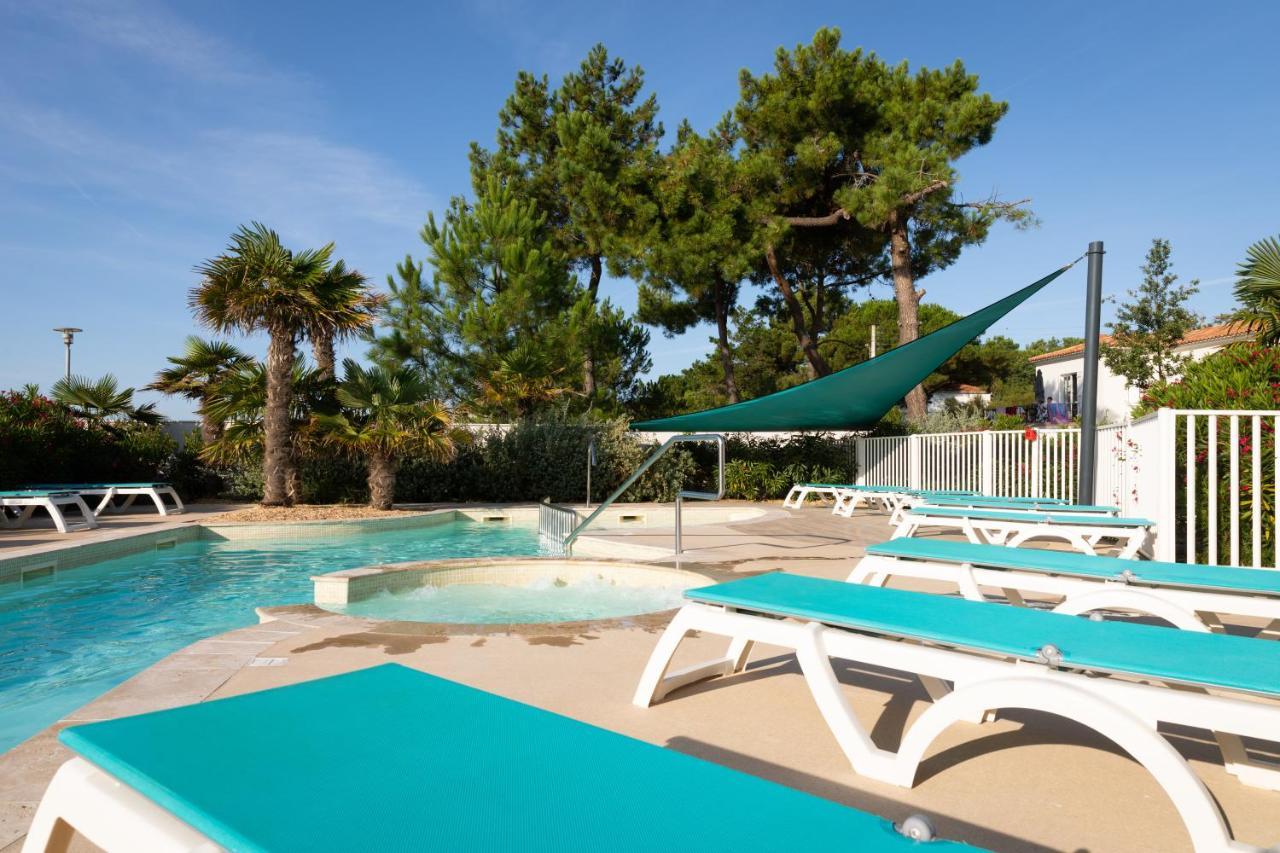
210, 429
323, 352
908, 299
382, 480
293, 479
277, 445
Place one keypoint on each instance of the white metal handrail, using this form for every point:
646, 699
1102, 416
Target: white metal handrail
719, 439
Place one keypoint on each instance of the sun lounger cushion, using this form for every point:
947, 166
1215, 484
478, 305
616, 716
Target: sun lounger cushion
1261, 581
81, 486
1022, 503
390, 758
1211, 660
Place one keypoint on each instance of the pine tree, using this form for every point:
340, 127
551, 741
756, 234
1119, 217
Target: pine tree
1150, 325
849, 145
704, 244
585, 154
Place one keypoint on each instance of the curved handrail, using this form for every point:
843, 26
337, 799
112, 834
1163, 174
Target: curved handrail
645, 466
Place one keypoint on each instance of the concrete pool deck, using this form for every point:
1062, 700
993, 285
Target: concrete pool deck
1028, 782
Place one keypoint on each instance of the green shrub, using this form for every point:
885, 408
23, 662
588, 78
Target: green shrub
1242, 376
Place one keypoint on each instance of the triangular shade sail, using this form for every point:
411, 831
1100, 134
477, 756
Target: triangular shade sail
853, 398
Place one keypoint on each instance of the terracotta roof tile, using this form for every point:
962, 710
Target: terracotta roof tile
1195, 336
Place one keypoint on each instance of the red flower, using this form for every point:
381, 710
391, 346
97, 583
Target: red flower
1030, 434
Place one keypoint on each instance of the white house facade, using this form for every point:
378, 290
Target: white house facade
1061, 372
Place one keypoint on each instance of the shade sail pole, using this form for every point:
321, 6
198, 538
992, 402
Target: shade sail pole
1089, 398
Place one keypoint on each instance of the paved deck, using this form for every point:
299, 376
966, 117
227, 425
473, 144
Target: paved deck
1028, 783
39, 535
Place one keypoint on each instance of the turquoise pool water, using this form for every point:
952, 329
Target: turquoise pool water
69, 638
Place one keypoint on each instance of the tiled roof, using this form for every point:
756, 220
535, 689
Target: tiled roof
1195, 336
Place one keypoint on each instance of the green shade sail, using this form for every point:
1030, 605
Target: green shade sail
856, 397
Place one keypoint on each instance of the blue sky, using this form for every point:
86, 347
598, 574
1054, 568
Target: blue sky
136, 135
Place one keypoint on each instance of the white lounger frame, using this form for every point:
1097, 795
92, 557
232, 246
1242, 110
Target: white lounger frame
1078, 532
801, 491
847, 500
132, 493
51, 503
1189, 609
85, 799
967, 686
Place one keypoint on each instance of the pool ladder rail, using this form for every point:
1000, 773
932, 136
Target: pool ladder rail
559, 524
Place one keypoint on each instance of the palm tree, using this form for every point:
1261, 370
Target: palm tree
388, 414
259, 285
195, 373
349, 308
102, 400
1258, 289
522, 382
239, 402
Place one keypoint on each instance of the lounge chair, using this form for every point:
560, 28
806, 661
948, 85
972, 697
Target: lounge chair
1012, 528
802, 491
129, 491
25, 502
973, 658
890, 498
389, 758
1191, 597
1020, 504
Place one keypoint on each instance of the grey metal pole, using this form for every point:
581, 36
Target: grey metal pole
68, 336
1089, 396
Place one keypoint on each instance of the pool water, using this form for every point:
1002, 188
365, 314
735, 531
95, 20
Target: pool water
543, 600
67, 639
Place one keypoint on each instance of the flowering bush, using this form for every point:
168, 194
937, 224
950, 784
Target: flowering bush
42, 441
1242, 376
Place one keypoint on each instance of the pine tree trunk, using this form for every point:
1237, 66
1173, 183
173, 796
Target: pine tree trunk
323, 353
382, 481
589, 358
817, 364
722, 342
277, 445
908, 298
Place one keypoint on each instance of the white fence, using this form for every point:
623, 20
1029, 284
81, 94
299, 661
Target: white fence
1207, 478
993, 462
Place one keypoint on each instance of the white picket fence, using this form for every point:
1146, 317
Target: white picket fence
1213, 500
993, 462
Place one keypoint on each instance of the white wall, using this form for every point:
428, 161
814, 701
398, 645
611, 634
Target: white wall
1115, 398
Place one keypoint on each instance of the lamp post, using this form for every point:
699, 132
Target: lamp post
68, 338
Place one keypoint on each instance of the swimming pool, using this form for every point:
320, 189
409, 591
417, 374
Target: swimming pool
68, 639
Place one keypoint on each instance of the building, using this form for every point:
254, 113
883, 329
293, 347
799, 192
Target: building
961, 394
1061, 372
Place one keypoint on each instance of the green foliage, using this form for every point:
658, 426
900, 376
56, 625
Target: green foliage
103, 401
1150, 325
1258, 289
1243, 376
43, 441
761, 469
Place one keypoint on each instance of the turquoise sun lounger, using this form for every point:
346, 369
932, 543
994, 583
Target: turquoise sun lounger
1193, 597
24, 503
389, 758
1021, 505
108, 492
1014, 527
1122, 679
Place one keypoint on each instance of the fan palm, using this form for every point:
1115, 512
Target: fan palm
1258, 289
522, 382
388, 414
348, 308
195, 373
239, 402
102, 400
259, 285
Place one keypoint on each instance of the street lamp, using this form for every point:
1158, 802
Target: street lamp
68, 338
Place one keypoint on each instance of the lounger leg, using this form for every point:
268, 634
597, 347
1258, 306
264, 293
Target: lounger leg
1271, 631
1118, 597
90, 520
177, 501
655, 682
1237, 762
1199, 812
59, 521
158, 501
111, 815
104, 504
